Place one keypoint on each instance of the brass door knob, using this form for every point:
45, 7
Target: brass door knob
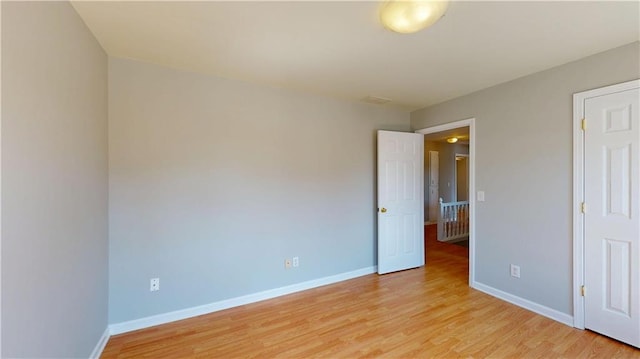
383, 210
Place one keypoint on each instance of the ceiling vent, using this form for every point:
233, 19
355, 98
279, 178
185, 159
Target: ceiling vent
376, 100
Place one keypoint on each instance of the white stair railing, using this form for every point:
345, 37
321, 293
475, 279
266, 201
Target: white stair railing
453, 221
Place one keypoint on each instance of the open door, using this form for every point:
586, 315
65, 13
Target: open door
400, 201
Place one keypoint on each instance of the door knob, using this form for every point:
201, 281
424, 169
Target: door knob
383, 210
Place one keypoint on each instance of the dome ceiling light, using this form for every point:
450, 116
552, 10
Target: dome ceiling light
452, 139
407, 17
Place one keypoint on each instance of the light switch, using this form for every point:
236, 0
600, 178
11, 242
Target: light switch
480, 196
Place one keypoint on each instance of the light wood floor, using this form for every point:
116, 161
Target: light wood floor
426, 312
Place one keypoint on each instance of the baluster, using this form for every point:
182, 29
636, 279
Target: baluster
453, 220
441, 220
446, 223
457, 222
461, 219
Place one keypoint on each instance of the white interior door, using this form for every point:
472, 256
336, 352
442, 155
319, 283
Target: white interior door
400, 201
611, 225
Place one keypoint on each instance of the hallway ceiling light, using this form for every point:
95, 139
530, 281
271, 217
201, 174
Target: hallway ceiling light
407, 17
452, 139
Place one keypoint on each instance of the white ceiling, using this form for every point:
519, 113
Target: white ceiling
339, 49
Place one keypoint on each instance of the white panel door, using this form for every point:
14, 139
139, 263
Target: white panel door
400, 201
611, 225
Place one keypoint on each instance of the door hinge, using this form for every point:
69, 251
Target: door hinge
583, 124
583, 207
582, 290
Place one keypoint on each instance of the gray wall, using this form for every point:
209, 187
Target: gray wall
524, 164
447, 154
462, 178
54, 183
214, 182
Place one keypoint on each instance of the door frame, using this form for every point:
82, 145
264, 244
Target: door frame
578, 191
0, 186
471, 123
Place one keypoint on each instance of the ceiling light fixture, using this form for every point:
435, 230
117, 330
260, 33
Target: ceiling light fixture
452, 139
407, 17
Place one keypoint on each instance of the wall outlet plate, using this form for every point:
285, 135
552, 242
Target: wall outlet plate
296, 261
515, 271
154, 284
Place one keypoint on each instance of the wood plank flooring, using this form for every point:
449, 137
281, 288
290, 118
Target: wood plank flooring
428, 312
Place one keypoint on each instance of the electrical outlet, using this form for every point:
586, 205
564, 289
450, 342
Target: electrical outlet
296, 261
515, 271
154, 284
287, 263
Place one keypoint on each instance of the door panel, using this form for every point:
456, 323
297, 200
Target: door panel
611, 222
617, 279
617, 180
400, 201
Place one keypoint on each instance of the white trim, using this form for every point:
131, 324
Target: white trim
471, 123
97, 351
526, 304
578, 190
0, 180
153, 320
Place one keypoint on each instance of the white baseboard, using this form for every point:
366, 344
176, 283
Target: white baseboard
525, 303
97, 351
146, 322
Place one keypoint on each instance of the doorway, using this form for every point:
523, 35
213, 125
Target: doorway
448, 186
